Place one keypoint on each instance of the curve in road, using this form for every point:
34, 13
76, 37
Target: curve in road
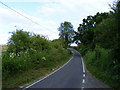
71, 75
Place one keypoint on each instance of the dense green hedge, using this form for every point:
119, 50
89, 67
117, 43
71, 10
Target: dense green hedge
101, 53
31, 51
100, 64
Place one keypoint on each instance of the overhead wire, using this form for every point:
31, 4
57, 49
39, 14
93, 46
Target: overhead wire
24, 16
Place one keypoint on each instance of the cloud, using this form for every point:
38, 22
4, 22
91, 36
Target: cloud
4, 37
10, 19
49, 15
29, 0
72, 10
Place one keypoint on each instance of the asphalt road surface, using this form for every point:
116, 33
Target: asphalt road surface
71, 75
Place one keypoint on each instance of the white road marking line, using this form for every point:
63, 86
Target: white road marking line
83, 75
48, 75
83, 81
82, 88
83, 65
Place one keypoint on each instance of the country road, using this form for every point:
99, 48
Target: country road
71, 75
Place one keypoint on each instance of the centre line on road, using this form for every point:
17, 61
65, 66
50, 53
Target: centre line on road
82, 88
83, 65
83, 81
83, 75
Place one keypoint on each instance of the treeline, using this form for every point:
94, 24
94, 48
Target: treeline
28, 51
98, 38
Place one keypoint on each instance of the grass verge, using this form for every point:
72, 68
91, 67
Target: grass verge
23, 78
97, 63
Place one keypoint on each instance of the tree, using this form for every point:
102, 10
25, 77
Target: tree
66, 32
57, 43
40, 43
85, 34
19, 41
116, 49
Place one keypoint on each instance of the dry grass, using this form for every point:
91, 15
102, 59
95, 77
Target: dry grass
4, 47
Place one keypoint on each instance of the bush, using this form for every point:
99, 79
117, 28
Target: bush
100, 63
39, 53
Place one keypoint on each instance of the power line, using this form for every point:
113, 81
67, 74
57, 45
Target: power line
19, 13
23, 15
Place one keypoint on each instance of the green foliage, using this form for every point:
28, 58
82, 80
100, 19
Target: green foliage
20, 41
100, 63
66, 32
104, 35
59, 43
100, 45
116, 48
83, 49
27, 51
85, 34
99, 58
40, 43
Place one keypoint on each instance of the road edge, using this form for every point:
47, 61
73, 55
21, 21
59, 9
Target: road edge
47, 75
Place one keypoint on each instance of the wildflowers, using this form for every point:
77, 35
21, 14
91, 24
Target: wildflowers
12, 55
43, 58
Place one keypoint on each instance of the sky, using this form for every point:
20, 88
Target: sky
46, 15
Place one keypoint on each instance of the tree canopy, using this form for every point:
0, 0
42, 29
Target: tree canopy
66, 32
98, 38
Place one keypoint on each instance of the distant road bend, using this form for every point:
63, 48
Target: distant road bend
71, 75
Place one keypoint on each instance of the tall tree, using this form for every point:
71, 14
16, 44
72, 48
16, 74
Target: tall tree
66, 32
116, 49
85, 33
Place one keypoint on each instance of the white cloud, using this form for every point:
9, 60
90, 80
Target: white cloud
10, 19
73, 10
49, 15
27, 0
4, 38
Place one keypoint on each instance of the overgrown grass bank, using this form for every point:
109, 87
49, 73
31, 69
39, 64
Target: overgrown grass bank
24, 75
98, 63
29, 57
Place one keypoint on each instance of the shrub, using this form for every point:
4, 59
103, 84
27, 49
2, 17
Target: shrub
39, 53
101, 64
